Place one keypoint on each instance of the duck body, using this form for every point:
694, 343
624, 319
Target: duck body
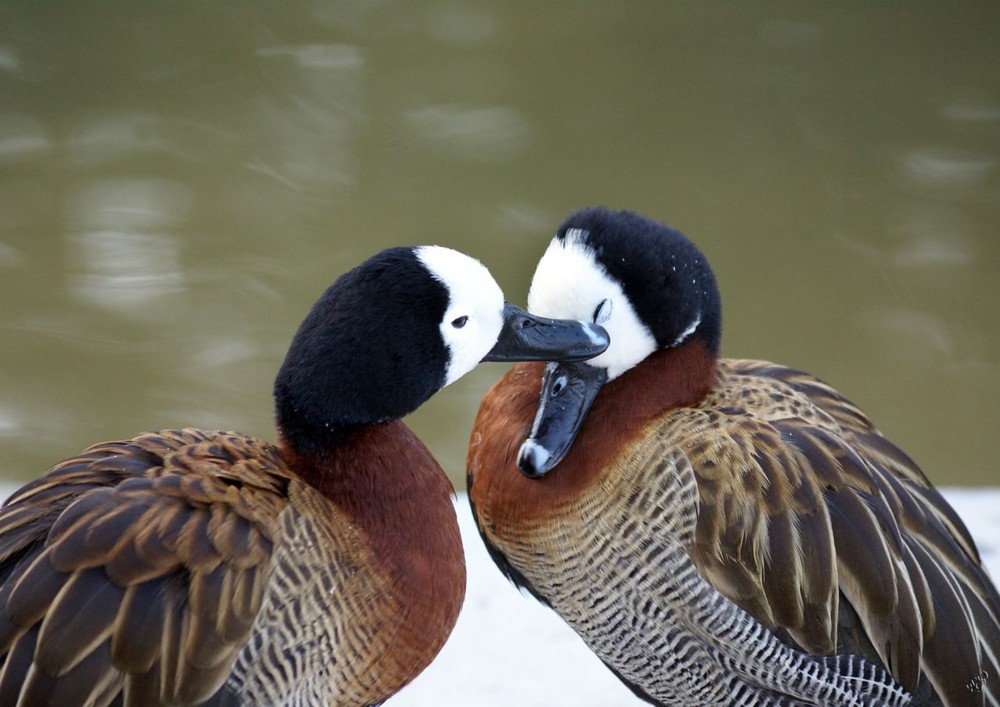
179, 560
726, 531
194, 567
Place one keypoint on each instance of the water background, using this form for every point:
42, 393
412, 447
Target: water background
179, 181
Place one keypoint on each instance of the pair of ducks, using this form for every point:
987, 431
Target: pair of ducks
719, 531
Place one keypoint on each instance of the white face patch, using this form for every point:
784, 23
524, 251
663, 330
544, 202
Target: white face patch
570, 284
474, 317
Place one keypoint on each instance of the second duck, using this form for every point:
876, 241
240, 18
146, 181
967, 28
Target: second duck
719, 531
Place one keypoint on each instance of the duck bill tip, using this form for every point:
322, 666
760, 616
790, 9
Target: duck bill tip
528, 337
534, 460
568, 390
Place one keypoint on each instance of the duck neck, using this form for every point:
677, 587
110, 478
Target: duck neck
307, 439
320, 409
622, 412
345, 463
666, 380
380, 475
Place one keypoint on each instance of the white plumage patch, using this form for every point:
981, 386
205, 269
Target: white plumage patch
569, 283
692, 327
474, 317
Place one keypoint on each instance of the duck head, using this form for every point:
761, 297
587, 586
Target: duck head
393, 331
644, 282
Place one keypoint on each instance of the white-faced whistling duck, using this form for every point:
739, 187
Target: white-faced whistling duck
719, 531
188, 567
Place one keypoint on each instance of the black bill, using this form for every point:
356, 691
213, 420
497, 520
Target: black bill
525, 337
568, 390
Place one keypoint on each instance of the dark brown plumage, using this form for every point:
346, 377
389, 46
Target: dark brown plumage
778, 494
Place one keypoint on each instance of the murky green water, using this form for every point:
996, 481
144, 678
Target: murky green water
178, 182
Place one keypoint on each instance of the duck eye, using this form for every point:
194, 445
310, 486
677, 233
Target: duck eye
460, 321
602, 312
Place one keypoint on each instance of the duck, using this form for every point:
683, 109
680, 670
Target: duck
719, 531
201, 567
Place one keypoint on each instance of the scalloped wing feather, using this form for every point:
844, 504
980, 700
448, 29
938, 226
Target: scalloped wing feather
138, 565
804, 505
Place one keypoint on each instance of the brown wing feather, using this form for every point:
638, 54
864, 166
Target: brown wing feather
136, 565
804, 508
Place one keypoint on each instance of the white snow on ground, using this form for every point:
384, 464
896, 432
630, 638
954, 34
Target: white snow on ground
508, 649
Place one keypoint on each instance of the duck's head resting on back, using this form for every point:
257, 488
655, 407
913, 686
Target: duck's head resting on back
399, 327
589, 273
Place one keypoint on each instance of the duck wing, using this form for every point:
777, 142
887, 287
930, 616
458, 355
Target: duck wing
827, 533
136, 569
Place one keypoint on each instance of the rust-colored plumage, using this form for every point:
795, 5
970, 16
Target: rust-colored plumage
702, 490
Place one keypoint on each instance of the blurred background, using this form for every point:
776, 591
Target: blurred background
179, 181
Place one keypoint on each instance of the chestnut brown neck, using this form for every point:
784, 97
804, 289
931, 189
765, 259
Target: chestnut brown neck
666, 380
390, 486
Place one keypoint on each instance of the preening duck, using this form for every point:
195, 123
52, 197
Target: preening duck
187, 567
719, 531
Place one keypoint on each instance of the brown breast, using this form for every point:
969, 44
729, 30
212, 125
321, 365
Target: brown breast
387, 488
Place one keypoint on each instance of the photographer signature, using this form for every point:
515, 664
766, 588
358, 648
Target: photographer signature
977, 682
